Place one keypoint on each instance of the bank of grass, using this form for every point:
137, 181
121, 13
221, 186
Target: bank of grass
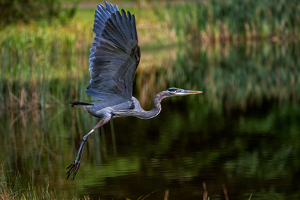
44, 64
13, 186
237, 20
218, 20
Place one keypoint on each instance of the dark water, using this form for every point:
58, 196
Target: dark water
242, 133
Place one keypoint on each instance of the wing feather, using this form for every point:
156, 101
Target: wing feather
118, 27
122, 28
133, 26
108, 7
114, 54
128, 23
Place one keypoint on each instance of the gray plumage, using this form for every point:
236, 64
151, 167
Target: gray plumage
115, 56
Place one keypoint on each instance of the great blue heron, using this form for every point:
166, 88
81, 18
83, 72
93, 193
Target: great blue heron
115, 55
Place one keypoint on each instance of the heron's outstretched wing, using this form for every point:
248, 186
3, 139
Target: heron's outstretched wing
115, 54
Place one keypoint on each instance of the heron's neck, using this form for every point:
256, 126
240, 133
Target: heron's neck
155, 110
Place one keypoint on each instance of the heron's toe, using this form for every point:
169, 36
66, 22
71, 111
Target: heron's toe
73, 168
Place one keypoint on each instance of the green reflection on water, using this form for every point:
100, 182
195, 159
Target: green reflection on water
243, 131
180, 145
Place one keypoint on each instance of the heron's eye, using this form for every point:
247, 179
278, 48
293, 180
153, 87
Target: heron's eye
172, 90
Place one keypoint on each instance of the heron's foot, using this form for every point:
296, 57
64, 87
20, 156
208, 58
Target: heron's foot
73, 168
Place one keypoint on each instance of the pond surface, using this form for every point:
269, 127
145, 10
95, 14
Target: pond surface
241, 135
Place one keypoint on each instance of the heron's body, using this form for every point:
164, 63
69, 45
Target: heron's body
105, 107
115, 56
121, 108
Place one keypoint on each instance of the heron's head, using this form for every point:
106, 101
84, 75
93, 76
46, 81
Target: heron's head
181, 92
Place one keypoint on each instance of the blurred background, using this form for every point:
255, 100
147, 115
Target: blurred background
240, 139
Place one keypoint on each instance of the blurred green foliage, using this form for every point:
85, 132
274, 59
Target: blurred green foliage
241, 76
36, 71
16, 11
14, 186
236, 19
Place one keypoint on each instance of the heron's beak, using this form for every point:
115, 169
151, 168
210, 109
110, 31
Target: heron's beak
191, 92
187, 92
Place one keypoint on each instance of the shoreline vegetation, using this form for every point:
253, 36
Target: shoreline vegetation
44, 64
12, 187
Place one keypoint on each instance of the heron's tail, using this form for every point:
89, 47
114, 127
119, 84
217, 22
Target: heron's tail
81, 104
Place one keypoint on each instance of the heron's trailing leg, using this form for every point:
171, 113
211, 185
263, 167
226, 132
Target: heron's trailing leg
73, 168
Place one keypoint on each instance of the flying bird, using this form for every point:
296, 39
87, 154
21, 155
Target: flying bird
115, 56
